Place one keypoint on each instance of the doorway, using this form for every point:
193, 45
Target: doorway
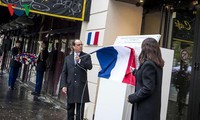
183, 45
180, 81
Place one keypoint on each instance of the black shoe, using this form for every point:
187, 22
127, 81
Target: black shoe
35, 93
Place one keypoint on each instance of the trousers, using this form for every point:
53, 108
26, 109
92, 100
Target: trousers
39, 80
79, 111
13, 76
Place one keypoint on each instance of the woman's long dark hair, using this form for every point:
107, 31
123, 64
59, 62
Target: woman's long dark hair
151, 51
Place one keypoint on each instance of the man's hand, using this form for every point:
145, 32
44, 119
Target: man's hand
64, 89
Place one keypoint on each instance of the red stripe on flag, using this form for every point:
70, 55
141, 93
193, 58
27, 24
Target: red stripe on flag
96, 38
129, 78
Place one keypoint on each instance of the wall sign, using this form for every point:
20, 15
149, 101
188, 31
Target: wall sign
183, 26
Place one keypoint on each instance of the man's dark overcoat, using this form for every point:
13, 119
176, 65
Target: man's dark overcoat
74, 77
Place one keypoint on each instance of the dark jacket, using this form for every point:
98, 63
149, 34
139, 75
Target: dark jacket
147, 96
41, 62
13, 62
74, 77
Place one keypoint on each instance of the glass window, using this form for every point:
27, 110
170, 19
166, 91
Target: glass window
180, 82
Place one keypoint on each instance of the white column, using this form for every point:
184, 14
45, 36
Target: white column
111, 19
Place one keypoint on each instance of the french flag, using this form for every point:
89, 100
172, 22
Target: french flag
93, 38
115, 62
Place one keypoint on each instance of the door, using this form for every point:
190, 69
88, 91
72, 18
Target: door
194, 101
181, 94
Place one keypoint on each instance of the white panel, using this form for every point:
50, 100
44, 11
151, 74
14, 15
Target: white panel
97, 21
111, 100
99, 6
89, 111
92, 92
93, 74
167, 55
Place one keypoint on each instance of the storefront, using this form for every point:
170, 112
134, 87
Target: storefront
183, 44
179, 26
34, 28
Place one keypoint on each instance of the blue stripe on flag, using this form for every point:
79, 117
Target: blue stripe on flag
89, 38
107, 59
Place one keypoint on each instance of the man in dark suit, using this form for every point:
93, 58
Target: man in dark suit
74, 80
41, 67
14, 66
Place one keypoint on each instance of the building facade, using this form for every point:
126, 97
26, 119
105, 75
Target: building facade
176, 21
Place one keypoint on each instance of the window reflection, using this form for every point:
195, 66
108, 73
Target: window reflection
180, 82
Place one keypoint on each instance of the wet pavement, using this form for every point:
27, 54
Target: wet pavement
19, 104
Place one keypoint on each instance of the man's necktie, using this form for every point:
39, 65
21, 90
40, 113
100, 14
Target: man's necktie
75, 55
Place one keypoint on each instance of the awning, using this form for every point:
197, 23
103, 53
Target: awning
69, 9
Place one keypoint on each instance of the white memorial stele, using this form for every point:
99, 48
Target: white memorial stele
112, 96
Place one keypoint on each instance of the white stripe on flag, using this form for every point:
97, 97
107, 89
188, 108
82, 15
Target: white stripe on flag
118, 72
92, 38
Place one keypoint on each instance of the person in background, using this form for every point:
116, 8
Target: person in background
182, 84
74, 80
14, 65
58, 67
147, 97
41, 67
50, 71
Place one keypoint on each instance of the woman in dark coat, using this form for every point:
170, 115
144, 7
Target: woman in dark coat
147, 97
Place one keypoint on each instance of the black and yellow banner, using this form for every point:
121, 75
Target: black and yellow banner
69, 9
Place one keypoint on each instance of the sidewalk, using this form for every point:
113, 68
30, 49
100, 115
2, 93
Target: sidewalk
19, 104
